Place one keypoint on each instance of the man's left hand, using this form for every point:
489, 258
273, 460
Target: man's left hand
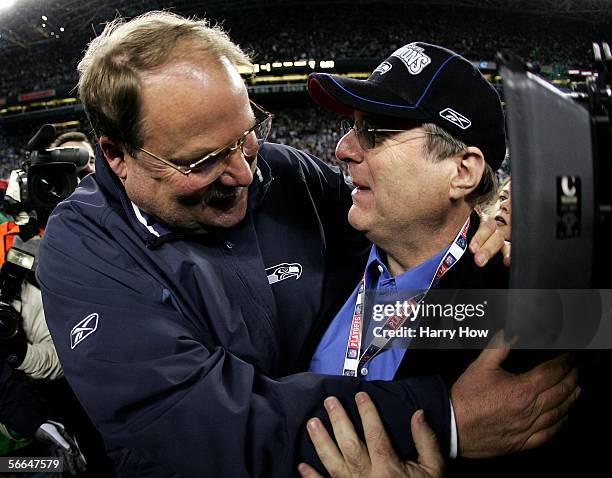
351, 458
488, 241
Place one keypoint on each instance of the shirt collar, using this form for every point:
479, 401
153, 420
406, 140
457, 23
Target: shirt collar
417, 278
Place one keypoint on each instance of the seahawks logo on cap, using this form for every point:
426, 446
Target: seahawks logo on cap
457, 119
383, 68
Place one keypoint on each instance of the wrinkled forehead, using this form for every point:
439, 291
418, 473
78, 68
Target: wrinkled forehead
193, 70
193, 93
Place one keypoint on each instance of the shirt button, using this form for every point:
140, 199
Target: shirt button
228, 245
364, 371
380, 268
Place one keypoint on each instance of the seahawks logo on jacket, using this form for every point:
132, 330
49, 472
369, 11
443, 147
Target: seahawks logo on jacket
283, 271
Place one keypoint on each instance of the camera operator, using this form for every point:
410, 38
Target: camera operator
35, 390
30, 347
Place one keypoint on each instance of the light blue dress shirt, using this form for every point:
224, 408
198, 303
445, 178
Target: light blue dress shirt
329, 356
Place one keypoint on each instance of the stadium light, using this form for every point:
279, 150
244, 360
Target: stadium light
61, 29
4, 4
44, 18
44, 25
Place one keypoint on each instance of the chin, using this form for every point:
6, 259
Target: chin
227, 216
357, 220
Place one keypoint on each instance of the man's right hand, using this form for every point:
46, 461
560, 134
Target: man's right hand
498, 412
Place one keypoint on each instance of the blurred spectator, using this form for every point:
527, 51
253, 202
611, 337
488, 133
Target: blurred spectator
502, 209
76, 139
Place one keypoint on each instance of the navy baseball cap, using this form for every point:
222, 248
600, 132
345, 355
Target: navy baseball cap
426, 84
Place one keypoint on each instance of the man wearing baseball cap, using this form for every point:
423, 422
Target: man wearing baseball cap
426, 137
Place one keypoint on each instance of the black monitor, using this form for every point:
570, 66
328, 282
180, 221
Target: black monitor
553, 192
560, 152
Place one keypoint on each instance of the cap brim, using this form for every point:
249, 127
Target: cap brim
345, 95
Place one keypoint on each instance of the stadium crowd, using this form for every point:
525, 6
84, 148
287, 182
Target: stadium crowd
304, 32
312, 31
12, 152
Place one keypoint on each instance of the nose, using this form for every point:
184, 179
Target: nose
238, 171
348, 148
506, 205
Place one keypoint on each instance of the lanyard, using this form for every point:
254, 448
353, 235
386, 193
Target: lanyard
354, 360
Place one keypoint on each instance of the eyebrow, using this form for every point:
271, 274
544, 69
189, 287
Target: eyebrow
191, 158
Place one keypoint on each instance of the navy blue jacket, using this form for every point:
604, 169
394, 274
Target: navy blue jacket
179, 349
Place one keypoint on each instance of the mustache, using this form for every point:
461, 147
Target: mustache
221, 193
215, 194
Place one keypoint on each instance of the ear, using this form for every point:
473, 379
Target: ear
469, 168
115, 156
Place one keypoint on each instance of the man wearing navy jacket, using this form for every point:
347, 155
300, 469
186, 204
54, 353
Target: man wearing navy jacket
183, 279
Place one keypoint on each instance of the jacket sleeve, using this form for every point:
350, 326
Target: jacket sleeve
41, 360
152, 387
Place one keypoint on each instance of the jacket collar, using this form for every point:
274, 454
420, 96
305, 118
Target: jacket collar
150, 231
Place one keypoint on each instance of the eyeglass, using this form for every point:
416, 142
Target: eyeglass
368, 135
247, 145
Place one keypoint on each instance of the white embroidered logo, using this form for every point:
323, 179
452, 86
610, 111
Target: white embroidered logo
383, 68
283, 271
83, 329
455, 118
413, 57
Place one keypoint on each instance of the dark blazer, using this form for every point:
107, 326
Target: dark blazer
578, 450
